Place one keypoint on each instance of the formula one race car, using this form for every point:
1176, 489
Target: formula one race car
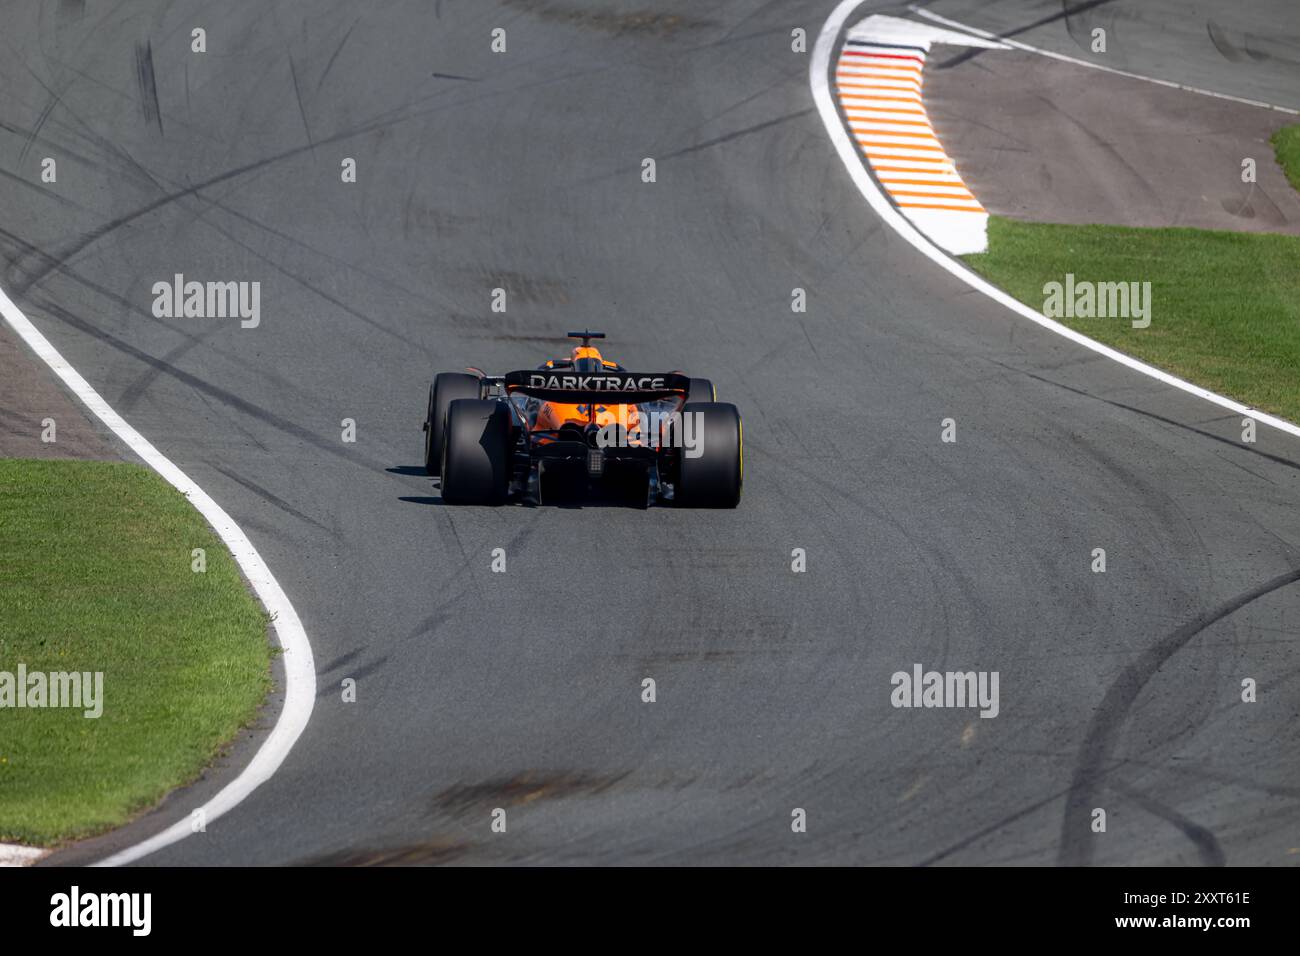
582, 424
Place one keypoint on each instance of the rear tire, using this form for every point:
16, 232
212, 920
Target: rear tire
447, 387
716, 477
476, 452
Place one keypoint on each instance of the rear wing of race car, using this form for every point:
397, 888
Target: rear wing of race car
614, 388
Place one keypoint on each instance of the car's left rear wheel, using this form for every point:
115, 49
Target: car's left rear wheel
476, 452
447, 387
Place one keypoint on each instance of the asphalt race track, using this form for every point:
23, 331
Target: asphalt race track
522, 170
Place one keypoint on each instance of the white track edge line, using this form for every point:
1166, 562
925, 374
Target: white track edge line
299, 667
818, 72
986, 35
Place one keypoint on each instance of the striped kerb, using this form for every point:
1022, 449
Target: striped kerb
879, 89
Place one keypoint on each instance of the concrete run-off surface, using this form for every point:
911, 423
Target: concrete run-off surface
1040, 139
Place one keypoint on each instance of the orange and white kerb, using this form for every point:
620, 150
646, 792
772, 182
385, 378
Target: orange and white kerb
878, 81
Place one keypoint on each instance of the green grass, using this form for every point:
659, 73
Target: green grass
95, 575
1225, 306
1286, 144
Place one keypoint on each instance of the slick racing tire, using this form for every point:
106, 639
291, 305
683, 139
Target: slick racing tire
715, 478
701, 390
476, 452
446, 388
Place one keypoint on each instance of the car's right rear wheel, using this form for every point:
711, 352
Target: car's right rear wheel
714, 477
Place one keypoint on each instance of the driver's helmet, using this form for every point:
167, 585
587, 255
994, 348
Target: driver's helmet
588, 359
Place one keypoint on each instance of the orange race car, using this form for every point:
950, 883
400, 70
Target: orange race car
582, 424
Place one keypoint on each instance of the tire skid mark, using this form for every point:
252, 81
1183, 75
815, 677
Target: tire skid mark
112, 225
1207, 845
1077, 839
148, 88
1174, 423
214, 391
52, 102
274, 499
